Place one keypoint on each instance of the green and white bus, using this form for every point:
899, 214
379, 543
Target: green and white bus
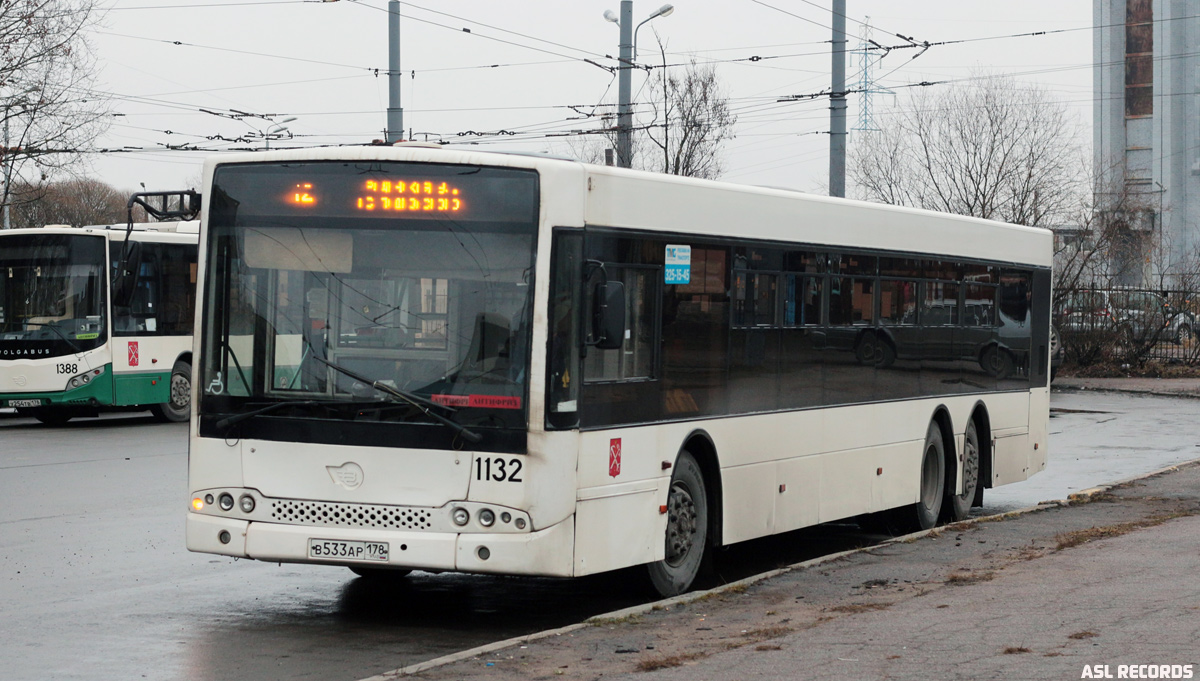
77, 338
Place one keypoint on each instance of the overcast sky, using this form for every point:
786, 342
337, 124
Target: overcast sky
521, 68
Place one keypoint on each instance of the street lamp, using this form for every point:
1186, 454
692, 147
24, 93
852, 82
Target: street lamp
276, 129
628, 54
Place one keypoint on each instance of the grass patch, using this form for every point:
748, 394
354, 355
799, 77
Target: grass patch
859, 607
1016, 650
614, 621
1068, 540
765, 633
965, 578
656, 663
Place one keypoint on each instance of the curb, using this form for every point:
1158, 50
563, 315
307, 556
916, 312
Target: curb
1126, 391
683, 599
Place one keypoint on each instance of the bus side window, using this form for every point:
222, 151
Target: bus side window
140, 317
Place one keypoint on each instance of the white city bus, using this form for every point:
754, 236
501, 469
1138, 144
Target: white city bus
73, 344
419, 358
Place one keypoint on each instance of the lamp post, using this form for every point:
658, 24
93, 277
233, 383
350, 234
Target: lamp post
628, 54
276, 129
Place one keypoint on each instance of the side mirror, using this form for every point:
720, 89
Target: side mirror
608, 315
125, 278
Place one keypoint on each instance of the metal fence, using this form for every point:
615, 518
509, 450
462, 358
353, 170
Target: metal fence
1127, 326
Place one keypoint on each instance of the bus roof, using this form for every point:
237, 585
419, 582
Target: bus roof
623, 198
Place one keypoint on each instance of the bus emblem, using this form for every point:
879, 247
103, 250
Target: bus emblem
133, 353
348, 475
614, 457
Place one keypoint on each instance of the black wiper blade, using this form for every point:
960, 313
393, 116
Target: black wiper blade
417, 401
230, 421
63, 336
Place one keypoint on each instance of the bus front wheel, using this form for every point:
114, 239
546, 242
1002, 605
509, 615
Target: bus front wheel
687, 530
178, 407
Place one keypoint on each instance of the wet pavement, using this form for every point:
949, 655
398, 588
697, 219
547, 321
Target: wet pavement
95, 582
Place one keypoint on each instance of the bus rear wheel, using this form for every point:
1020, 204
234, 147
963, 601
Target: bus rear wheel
687, 530
933, 480
959, 505
178, 407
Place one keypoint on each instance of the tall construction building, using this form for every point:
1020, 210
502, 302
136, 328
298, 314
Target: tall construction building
1147, 129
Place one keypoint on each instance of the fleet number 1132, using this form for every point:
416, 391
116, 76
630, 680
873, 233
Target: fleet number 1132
498, 469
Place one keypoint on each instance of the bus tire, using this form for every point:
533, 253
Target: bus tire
687, 530
933, 479
377, 572
179, 407
958, 506
52, 416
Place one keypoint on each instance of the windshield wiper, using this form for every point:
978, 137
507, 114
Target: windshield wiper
417, 401
230, 421
235, 419
63, 336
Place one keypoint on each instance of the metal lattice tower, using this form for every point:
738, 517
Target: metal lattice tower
867, 59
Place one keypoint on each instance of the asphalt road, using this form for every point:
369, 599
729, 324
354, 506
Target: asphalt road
95, 582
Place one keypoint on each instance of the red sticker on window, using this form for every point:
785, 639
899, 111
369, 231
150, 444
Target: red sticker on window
133, 353
482, 401
614, 457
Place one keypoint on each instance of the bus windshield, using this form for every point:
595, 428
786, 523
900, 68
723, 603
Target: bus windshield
434, 303
52, 300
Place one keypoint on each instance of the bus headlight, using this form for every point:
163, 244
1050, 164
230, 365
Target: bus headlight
83, 379
246, 503
226, 501
486, 517
460, 516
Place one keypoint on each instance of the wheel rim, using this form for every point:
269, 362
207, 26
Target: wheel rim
929, 478
681, 524
181, 392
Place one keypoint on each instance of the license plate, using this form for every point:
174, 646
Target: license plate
330, 549
24, 403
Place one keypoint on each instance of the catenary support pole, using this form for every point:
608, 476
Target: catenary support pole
837, 104
395, 113
625, 75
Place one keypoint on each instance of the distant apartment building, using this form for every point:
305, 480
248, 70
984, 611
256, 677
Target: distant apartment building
1146, 130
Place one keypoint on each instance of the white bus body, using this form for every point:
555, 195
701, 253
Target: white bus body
797, 412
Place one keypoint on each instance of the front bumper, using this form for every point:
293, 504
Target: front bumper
547, 552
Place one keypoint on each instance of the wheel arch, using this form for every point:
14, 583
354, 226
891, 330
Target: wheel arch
185, 356
702, 448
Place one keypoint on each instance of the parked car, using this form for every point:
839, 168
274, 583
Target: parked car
1138, 315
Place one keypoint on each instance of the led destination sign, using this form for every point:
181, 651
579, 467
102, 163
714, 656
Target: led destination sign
399, 196
378, 190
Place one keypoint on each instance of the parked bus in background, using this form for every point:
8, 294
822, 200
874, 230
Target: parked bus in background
418, 358
77, 336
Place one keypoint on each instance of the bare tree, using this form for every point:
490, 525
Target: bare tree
690, 122
46, 72
992, 148
75, 202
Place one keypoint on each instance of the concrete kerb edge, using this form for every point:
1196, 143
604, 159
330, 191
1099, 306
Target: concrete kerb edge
1127, 391
683, 599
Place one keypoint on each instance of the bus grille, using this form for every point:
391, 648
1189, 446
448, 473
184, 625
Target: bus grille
350, 515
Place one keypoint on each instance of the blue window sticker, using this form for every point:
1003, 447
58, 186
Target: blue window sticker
678, 265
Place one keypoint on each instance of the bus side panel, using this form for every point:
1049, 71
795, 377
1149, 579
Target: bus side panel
142, 367
622, 529
1039, 426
